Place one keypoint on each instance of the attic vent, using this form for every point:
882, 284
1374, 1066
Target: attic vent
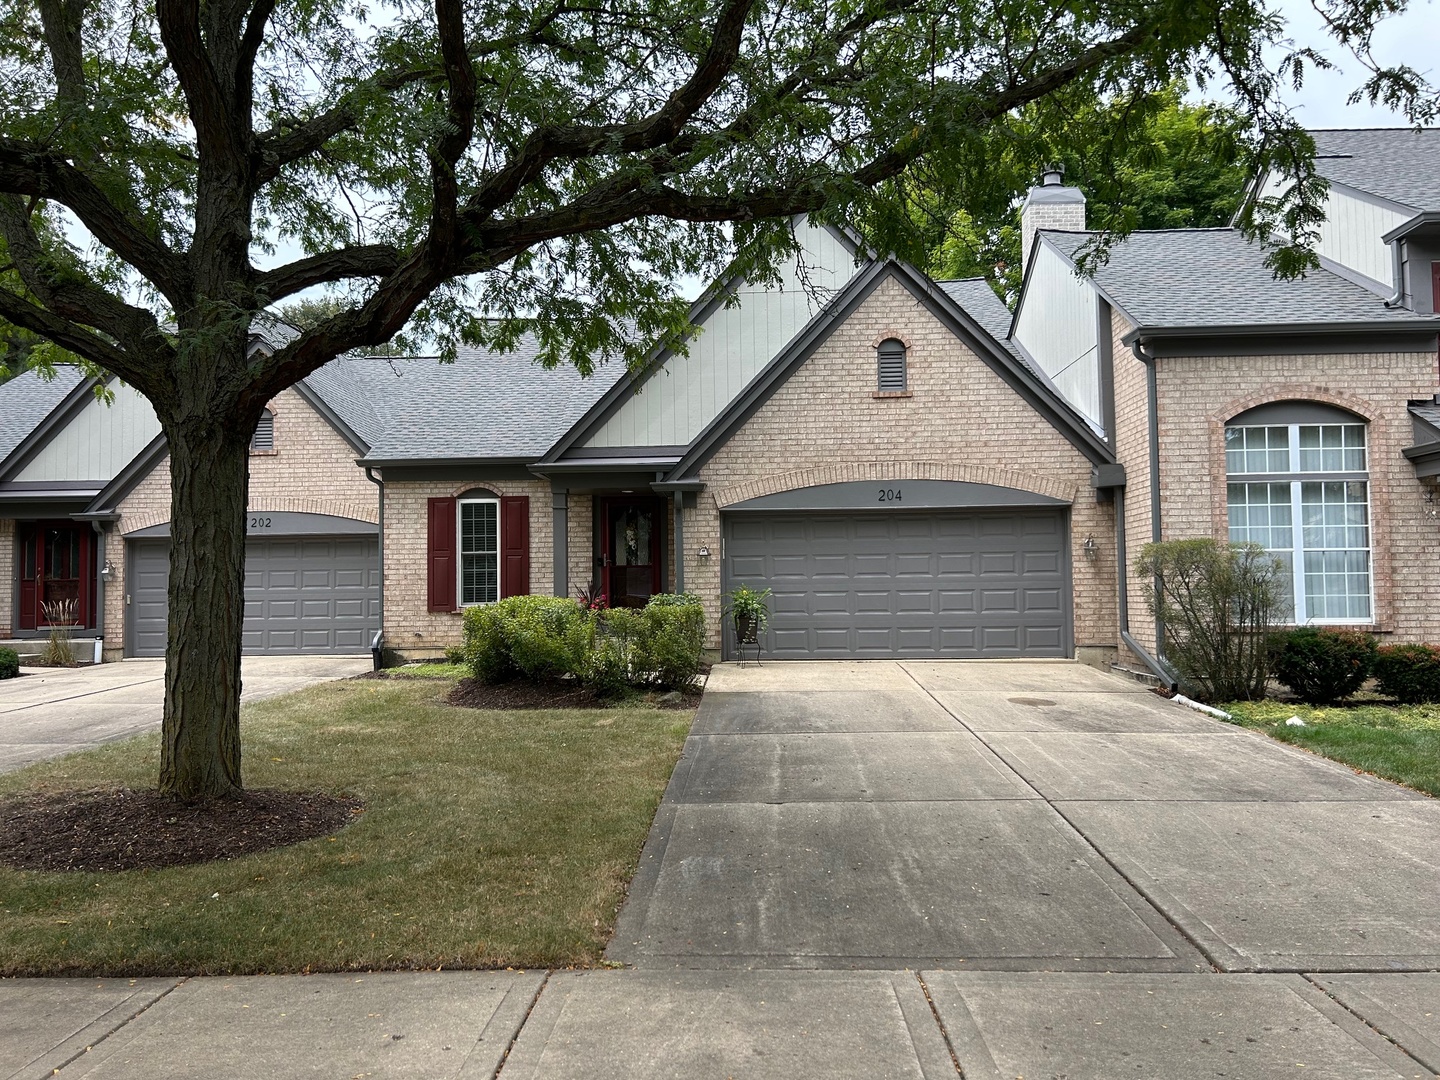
891, 365
264, 437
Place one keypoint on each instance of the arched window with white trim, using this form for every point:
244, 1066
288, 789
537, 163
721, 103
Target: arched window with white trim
1297, 484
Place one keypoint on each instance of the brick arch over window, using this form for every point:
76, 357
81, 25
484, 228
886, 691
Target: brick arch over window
890, 470
1379, 443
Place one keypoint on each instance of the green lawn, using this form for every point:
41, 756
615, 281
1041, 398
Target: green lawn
1398, 742
489, 839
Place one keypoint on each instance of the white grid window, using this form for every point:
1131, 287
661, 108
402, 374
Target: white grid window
479, 551
1323, 519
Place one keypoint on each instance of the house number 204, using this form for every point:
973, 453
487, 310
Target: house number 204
890, 495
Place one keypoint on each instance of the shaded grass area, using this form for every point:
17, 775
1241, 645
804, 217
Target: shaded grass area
1398, 742
489, 839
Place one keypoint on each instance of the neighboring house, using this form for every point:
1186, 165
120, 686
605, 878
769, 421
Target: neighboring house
911, 470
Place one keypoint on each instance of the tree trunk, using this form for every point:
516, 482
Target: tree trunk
200, 736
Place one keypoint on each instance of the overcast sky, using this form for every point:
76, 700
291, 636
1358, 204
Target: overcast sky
1411, 38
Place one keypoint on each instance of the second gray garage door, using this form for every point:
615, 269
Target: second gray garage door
302, 594
963, 584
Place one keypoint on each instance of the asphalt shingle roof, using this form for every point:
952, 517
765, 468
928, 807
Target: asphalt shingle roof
1429, 413
980, 302
484, 405
27, 399
1215, 277
1399, 164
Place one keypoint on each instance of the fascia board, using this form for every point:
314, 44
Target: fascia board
331, 417
1380, 327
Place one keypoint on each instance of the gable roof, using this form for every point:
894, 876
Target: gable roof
1399, 164
484, 406
1197, 278
28, 398
980, 302
944, 307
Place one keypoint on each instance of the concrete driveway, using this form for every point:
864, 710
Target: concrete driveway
51, 711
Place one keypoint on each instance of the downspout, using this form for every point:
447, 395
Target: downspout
377, 646
1397, 263
1155, 663
99, 591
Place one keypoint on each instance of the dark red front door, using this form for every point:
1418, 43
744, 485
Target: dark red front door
630, 540
57, 564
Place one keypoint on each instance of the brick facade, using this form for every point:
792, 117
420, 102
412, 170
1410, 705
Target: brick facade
824, 425
1198, 395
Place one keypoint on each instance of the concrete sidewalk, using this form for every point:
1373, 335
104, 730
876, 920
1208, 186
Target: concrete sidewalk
986, 870
763, 1025
47, 712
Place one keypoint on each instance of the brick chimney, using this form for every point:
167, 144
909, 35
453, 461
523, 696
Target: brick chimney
1051, 205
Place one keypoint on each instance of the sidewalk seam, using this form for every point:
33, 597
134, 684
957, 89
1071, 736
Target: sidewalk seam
944, 1032
1341, 1003
123, 1024
505, 1057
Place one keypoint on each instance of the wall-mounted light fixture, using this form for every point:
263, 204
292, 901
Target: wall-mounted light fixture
703, 552
1090, 547
107, 572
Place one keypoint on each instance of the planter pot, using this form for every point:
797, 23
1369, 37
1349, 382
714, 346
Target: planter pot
747, 629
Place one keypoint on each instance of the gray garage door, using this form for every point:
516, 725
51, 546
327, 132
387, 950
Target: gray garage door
302, 594
969, 584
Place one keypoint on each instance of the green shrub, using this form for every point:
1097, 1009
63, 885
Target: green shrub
1409, 673
671, 647
534, 637
1322, 666
9, 663
606, 666
1218, 603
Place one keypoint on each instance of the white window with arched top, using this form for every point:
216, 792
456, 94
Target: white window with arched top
1298, 484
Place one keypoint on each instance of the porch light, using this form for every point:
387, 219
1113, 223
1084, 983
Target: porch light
1090, 548
107, 572
704, 552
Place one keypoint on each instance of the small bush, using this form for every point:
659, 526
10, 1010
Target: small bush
1218, 603
1409, 673
9, 663
1322, 666
670, 647
537, 637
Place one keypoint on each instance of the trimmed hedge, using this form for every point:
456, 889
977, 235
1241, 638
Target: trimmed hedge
9, 663
1409, 673
1322, 666
542, 638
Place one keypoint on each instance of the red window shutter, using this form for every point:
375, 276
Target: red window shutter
515, 545
441, 556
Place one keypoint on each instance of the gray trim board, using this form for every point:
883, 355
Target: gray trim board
1361, 194
580, 453
939, 303
1425, 458
478, 471
282, 523
49, 510
1271, 340
1365, 281
31, 445
860, 496
1419, 221
1295, 411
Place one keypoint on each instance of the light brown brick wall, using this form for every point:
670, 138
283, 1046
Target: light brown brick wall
9, 575
581, 539
312, 470
1132, 448
962, 422
410, 628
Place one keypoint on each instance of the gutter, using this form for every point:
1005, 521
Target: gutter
377, 646
1418, 325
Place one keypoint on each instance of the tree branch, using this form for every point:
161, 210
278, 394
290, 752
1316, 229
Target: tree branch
71, 336
62, 20
31, 169
373, 260
185, 48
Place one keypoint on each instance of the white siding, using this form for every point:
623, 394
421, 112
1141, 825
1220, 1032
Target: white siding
1351, 235
1056, 325
99, 442
674, 405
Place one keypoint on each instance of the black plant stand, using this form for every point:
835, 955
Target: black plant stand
747, 633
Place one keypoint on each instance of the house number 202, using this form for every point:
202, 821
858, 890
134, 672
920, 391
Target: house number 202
259, 522
889, 495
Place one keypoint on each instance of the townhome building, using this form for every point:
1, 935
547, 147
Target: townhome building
910, 468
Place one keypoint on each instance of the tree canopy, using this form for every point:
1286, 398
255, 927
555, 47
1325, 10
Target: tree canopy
481, 168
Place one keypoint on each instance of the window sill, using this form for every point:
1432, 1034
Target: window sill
264, 453
892, 393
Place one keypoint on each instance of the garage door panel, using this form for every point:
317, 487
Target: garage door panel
315, 595
938, 583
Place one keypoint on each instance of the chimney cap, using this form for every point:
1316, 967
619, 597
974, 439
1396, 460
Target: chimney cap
1053, 175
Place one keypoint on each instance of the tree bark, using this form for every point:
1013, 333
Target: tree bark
200, 734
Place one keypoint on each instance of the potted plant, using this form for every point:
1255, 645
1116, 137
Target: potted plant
746, 606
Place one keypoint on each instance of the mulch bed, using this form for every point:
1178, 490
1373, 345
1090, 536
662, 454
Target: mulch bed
120, 829
473, 694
